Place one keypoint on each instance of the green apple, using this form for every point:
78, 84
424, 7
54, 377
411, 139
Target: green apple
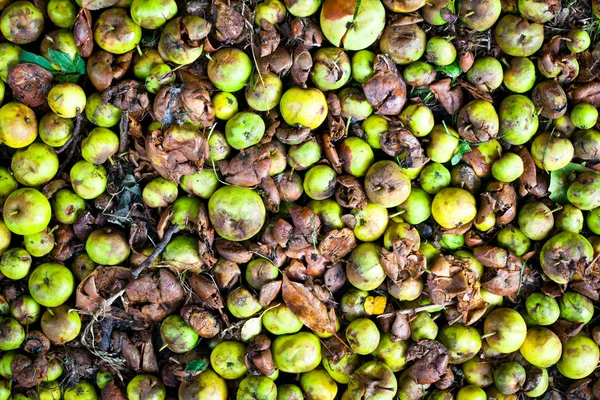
66, 99
13, 334
10, 54
34, 165
145, 387
88, 180
102, 115
61, 324
22, 22
67, 206
62, 13
15, 263
84, 390
49, 390
18, 125
303, 107
5, 237
26, 211
202, 184
51, 284
107, 246
116, 32
55, 131
8, 183
244, 129
152, 14
5, 390
99, 145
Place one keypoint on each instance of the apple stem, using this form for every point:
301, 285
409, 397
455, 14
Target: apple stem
553, 210
397, 214
51, 312
13, 213
487, 335
164, 347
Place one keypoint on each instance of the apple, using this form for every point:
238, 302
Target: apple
82, 391
15, 263
51, 284
107, 246
26, 211
303, 107
345, 26
61, 324
12, 334
49, 390
66, 99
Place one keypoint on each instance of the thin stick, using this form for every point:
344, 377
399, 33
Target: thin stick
124, 132
417, 309
160, 247
71, 143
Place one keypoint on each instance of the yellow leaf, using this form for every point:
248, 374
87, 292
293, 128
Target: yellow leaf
375, 305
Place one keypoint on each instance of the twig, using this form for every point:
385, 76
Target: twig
71, 144
160, 247
124, 132
417, 309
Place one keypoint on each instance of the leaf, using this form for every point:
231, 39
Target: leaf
150, 40
305, 304
198, 365
27, 57
375, 305
65, 63
72, 78
561, 179
452, 70
463, 148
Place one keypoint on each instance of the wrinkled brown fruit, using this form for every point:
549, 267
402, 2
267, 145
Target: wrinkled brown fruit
30, 83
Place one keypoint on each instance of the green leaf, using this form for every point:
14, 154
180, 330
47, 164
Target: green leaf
79, 64
150, 40
27, 57
561, 179
73, 78
198, 365
63, 61
452, 71
463, 148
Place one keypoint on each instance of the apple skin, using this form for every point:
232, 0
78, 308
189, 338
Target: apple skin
84, 390
336, 15
26, 211
51, 284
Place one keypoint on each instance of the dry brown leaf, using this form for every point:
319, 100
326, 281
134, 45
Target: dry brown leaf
304, 303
